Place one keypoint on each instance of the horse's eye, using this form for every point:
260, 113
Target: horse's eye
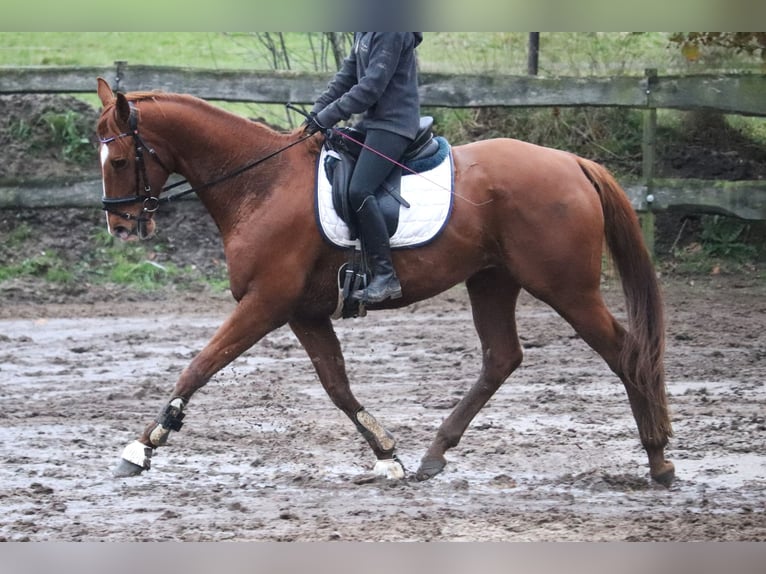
119, 163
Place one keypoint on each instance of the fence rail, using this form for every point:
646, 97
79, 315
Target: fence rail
733, 94
736, 94
737, 198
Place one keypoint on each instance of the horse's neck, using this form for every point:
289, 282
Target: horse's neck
208, 144
208, 141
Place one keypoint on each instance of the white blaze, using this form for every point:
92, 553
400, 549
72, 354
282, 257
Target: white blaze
104, 154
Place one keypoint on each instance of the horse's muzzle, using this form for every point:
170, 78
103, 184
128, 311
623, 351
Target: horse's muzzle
133, 230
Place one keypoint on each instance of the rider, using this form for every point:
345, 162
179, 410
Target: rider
379, 80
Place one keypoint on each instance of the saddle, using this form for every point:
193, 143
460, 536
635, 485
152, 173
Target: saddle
343, 151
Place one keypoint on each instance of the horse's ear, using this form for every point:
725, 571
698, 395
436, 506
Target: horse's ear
105, 93
107, 97
122, 108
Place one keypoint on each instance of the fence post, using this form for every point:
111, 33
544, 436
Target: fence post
648, 149
119, 66
533, 56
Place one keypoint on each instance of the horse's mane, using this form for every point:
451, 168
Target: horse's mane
146, 95
268, 133
159, 96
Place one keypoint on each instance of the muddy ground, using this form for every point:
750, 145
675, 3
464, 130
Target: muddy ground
265, 456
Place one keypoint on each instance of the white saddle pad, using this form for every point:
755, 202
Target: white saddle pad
430, 197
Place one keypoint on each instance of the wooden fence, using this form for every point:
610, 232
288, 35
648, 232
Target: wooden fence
733, 94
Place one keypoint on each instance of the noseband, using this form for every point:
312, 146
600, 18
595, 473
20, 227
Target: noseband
143, 195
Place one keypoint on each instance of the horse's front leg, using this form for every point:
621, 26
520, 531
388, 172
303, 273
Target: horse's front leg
244, 327
318, 337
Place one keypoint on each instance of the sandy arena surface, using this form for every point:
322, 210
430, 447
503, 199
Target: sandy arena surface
265, 456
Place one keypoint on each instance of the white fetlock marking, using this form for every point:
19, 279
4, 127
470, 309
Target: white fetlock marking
138, 453
390, 468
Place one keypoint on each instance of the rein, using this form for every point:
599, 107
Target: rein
342, 134
151, 203
391, 160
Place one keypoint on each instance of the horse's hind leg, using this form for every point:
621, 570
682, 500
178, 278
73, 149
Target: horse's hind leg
589, 316
321, 343
493, 297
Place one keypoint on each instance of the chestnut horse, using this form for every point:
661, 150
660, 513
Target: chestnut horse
524, 217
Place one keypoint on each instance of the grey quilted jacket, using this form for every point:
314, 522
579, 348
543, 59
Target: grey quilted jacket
377, 79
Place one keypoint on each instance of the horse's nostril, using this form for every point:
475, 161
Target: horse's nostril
121, 232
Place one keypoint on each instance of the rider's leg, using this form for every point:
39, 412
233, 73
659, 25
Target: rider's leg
375, 162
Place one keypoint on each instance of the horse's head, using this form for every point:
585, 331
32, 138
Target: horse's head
132, 171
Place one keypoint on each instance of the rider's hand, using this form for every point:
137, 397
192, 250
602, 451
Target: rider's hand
312, 125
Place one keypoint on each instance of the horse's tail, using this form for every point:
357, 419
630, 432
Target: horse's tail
641, 361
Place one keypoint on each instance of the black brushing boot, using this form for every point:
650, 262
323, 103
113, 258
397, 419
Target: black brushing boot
372, 228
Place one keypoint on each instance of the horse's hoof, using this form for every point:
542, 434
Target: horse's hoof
369, 478
136, 458
390, 468
666, 474
126, 468
430, 468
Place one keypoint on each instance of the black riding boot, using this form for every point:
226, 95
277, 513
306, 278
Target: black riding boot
374, 235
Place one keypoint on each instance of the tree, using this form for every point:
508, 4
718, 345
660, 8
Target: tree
326, 49
751, 43
339, 43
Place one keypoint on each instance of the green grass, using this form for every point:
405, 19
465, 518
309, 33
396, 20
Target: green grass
561, 53
200, 49
68, 130
725, 245
725, 237
144, 274
753, 128
20, 129
17, 236
137, 265
47, 265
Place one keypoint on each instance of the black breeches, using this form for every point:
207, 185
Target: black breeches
371, 169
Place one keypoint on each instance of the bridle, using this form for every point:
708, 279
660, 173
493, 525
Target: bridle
143, 194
